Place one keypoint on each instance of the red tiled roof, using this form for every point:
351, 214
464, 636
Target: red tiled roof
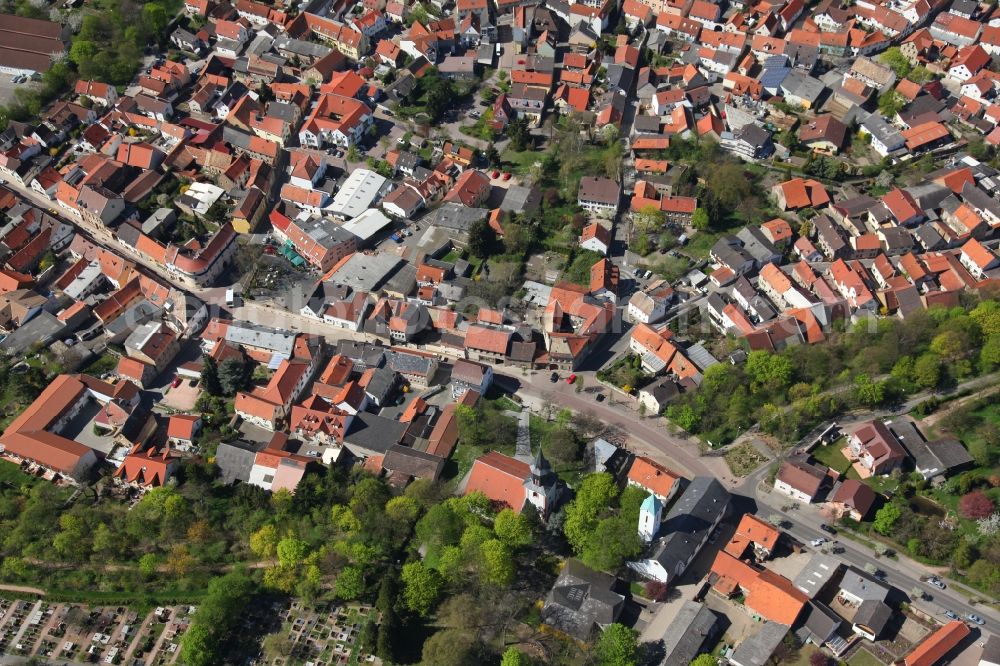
499, 477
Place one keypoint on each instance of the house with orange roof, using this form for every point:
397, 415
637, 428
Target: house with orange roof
317, 422
604, 278
799, 193
182, 429
147, 468
653, 346
514, 483
266, 406
485, 343
778, 231
596, 238
275, 469
38, 435
767, 595
978, 259
933, 650
135, 371
654, 478
753, 532
875, 449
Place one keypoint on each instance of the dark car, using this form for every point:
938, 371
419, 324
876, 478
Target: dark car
600, 397
554, 377
826, 528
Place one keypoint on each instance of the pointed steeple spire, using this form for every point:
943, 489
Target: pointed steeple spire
540, 468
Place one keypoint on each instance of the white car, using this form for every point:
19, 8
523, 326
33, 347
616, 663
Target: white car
816, 543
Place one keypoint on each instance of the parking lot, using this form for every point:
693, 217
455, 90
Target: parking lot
8, 88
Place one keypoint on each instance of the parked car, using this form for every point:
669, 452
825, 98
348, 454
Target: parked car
495, 174
176, 382
571, 378
506, 176
826, 528
937, 582
554, 377
950, 615
600, 397
975, 619
816, 543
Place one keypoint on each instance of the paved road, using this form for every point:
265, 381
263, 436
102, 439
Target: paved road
904, 574
647, 436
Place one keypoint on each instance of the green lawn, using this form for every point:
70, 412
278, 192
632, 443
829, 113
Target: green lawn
521, 162
700, 244
830, 455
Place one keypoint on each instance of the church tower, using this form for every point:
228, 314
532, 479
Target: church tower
649, 518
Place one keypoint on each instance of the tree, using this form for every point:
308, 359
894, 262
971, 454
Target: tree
767, 370
203, 644
264, 542
517, 132
512, 528
350, 584
656, 590
595, 494
291, 551
452, 647
612, 541
562, 445
886, 518
927, 370
617, 646
498, 563
867, 391
728, 186
894, 59
975, 505
513, 657
648, 219
233, 376
492, 156
819, 659
210, 376
705, 660
482, 239
890, 103
421, 587
700, 219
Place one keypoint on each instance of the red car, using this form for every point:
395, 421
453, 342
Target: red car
176, 382
506, 176
269, 249
496, 174
571, 379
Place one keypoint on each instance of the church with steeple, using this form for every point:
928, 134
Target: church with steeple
541, 488
516, 483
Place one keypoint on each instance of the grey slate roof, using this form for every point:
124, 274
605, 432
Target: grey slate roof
861, 585
235, 460
582, 600
757, 649
820, 623
372, 435
418, 464
874, 615
687, 524
816, 574
693, 627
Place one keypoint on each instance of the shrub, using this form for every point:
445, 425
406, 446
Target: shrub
975, 505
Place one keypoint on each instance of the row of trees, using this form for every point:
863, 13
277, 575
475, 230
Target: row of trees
875, 362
